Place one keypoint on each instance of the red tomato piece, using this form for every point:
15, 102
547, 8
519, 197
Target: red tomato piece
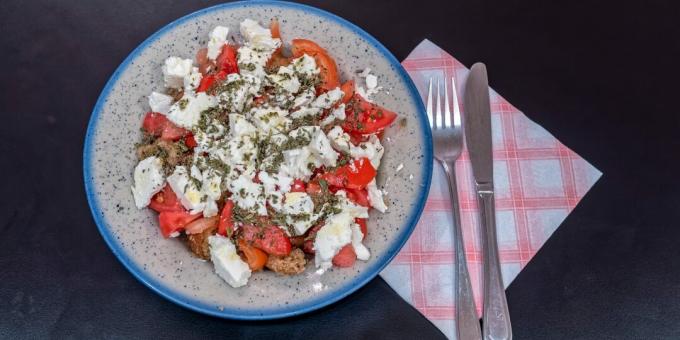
157, 124
255, 258
308, 246
362, 225
313, 187
345, 257
175, 221
365, 117
348, 89
204, 64
210, 79
190, 141
329, 70
271, 239
225, 226
358, 196
226, 61
355, 175
298, 186
201, 224
165, 200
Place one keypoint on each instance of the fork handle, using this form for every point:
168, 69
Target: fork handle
496, 315
467, 322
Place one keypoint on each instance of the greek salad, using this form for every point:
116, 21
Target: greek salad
260, 157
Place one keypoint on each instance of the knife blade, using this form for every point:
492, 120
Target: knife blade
478, 124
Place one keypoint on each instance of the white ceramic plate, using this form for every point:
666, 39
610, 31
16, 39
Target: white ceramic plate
166, 265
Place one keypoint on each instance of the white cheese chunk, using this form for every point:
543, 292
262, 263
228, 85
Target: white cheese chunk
305, 97
270, 119
359, 248
186, 189
248, 194
240, 126
335, 234
192, 81
339, 139
305, 65
296, 205
174, 71
159, 102
328, 99
218, 37
258, 36
337, 114
227, 262
187, 111
285, 80
305, 111
239, 90
353, 209
375, 197
148, 180
371, 82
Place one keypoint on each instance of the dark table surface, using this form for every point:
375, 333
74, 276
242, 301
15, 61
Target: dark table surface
601, 76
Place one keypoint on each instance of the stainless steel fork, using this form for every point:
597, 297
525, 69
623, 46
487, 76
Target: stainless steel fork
447, 132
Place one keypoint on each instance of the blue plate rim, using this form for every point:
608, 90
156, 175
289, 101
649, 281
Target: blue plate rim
260, 314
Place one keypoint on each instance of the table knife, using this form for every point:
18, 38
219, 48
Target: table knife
496, 319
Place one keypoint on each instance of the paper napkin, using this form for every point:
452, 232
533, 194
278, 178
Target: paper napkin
538, 182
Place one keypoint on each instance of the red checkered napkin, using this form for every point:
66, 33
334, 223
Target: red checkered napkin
538, 181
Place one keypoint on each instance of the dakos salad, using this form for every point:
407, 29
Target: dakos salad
260, 156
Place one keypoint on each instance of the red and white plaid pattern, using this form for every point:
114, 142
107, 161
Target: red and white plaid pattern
538, 181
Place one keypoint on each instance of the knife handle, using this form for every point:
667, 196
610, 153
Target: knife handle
496, 324
467, 321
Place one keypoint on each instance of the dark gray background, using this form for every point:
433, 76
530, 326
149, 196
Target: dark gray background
601, 76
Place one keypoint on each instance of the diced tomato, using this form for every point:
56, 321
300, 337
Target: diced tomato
271, 239
329, 70
165, 200
210, 79
358, 196
157, 124
175, 221
365, 117
190, 141
313, 187
346, 257
173, 132
226, 61
362, 225
348, 89
201, 224
225, 225
297, 186
260, 100
204, 64
275, 28
355, 175
255, 258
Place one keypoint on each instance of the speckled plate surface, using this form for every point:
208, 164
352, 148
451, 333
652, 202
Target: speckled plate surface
166, 265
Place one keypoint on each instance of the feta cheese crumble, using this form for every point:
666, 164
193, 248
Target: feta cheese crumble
174, 71
218, 37
148, 179
228, 264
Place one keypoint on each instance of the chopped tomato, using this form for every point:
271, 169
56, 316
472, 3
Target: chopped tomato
255, 258
297, 186
365, 117
201, 225
345, 257
226, 224
355, 175
275, 28
210, 79
204, 64
271, 239
157, 124
358, 196
362, 225
175, 221
329, 70
313, 187
190, 141
348, 89
166, 200
260, 100
226, 61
